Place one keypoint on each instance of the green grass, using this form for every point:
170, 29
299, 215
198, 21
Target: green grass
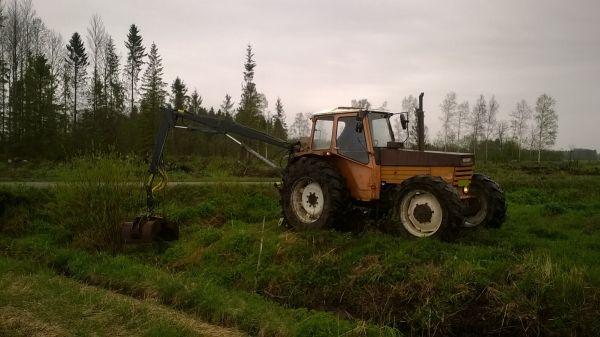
537, 275
37, 302
192, 293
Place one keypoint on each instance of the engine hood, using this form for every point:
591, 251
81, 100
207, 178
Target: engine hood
402, 157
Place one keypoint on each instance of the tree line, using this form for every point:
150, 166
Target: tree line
478, 128
59, 98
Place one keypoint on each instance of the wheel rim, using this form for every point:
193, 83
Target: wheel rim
421, 213
477, 210
307, 200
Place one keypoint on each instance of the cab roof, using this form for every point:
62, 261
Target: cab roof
343, 109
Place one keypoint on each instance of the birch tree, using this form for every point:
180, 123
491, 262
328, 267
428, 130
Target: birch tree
489, 122
546, 123
448, 108
409, 105
13, 37
300, 128
520, 118
96, 41
502, 127
4, 75
462, 111
477, 119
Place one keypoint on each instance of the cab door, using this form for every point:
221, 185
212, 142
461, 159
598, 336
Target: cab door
355, 159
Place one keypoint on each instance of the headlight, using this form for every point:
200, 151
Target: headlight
467, 160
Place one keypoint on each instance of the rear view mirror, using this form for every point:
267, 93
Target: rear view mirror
403, 120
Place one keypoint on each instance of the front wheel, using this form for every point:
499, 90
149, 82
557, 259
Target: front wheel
487, 205
426, 206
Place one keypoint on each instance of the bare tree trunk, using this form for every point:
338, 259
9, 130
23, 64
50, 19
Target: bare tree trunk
540, 145
131, 87
458, 135
486, 150
75, 99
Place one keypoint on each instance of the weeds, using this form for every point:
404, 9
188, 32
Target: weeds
98, 194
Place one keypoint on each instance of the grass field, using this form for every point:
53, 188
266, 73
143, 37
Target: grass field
536, 276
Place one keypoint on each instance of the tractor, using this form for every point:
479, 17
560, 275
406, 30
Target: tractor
351, 163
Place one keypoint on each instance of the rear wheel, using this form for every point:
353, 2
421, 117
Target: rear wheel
426, 206
487, 206
313, 194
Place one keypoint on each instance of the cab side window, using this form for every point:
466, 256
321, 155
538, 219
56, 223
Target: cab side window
322, 133
349, 142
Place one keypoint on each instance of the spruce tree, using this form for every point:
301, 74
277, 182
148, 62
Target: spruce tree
40, 135
178, 94
153, 99
135, 59
279, 127
153, 87
248, 111
115, 92
196, 104
227, 107
77, 60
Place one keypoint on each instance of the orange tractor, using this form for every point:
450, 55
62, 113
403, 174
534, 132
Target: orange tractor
353, 162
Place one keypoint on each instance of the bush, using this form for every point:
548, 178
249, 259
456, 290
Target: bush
19, 206
99, 192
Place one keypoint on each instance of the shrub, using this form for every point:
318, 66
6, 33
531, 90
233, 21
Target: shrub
98, 193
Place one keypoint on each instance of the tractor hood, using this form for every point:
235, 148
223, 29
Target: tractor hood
401, 157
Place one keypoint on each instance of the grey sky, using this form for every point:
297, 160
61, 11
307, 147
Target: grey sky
321, 54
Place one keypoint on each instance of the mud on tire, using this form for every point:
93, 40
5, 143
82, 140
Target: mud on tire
425, 206
313, 195
488, 207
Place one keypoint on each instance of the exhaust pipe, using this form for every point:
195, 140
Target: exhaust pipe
421, 124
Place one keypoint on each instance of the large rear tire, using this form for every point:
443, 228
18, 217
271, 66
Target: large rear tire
426, 206
487, 207
313, 195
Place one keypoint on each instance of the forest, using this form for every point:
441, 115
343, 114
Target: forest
62, 97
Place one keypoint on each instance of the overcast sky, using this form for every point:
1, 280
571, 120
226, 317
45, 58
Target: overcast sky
321, 54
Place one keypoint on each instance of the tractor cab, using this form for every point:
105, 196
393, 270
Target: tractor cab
362, 146
352, 133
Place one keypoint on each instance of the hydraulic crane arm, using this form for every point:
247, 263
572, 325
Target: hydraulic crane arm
174, 119
177, 119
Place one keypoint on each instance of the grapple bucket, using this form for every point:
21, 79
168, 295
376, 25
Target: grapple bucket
149, 229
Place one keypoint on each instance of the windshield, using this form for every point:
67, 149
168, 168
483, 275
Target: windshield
380, 129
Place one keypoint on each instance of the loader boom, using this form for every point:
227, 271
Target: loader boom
176, 119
